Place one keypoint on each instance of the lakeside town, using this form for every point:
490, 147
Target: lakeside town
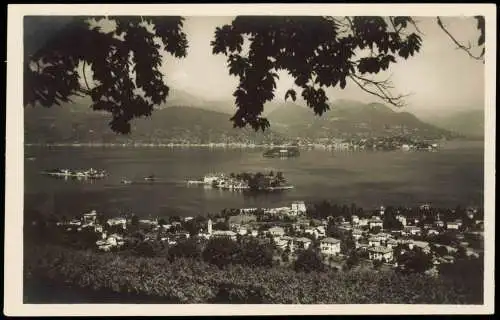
342, 236
331, 144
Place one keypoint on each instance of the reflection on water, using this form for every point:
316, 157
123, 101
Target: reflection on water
452, 176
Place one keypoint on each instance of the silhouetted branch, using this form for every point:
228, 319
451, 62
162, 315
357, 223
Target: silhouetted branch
391, 19
382, 89
346, 27
460, 46
350, 23
414, 24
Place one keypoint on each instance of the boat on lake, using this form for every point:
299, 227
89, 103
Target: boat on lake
282, 152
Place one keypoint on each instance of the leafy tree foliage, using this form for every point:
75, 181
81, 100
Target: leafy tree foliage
308, 261
194, 225
461, 253
439, 250
174, 218
470, 266
134, 220
134, 279
348, 243
377, 264
125, 60
445, 238
352, 260
185, 249
220, 251
414, 261
318, 52
389, 220
253, 253
248, 251
148, 249
325, 209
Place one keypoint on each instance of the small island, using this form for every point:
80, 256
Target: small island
246, 181
76, 174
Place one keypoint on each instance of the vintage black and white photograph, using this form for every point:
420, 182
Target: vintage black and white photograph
293, 159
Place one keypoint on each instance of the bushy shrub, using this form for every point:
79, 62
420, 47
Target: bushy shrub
309, 260
194, 281
220, 251
189, 248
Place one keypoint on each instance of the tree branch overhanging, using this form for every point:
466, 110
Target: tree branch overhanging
381, 90
460, 46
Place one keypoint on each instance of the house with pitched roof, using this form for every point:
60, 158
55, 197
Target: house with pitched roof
379, 253
330, 246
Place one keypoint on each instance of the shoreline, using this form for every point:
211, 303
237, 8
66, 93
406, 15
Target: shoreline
218, 145
148, 145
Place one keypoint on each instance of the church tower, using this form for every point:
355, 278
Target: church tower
209, 226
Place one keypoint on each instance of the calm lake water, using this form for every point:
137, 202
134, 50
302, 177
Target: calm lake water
450, 177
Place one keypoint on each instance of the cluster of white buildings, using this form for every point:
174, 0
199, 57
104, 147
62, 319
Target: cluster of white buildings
109, 242
328, 246
89, 221
297, 208
368, 233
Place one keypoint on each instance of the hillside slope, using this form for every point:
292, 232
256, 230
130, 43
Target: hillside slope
469, 123
187, 121
351, 118
172, 124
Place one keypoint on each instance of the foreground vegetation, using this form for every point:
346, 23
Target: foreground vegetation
116, 277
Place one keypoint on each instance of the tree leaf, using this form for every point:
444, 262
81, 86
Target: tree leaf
291, 93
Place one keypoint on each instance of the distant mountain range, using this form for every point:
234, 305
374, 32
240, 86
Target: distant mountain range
179, 98
188, 118
348, 118
469, 123
166, 125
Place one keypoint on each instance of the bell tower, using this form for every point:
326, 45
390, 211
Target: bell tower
209, 226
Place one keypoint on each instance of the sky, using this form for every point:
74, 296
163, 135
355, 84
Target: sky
439, 78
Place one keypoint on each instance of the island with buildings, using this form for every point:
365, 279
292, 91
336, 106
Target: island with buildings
245, 181
77, 174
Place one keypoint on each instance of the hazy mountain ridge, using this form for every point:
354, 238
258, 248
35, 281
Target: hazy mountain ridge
469, 123
351, 118
172, 124
180, 98
182, 119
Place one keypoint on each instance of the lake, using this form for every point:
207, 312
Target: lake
450, 177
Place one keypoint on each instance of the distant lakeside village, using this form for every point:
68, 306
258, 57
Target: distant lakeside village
389, 237
353, 144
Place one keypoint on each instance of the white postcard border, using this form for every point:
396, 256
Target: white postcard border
13, 301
